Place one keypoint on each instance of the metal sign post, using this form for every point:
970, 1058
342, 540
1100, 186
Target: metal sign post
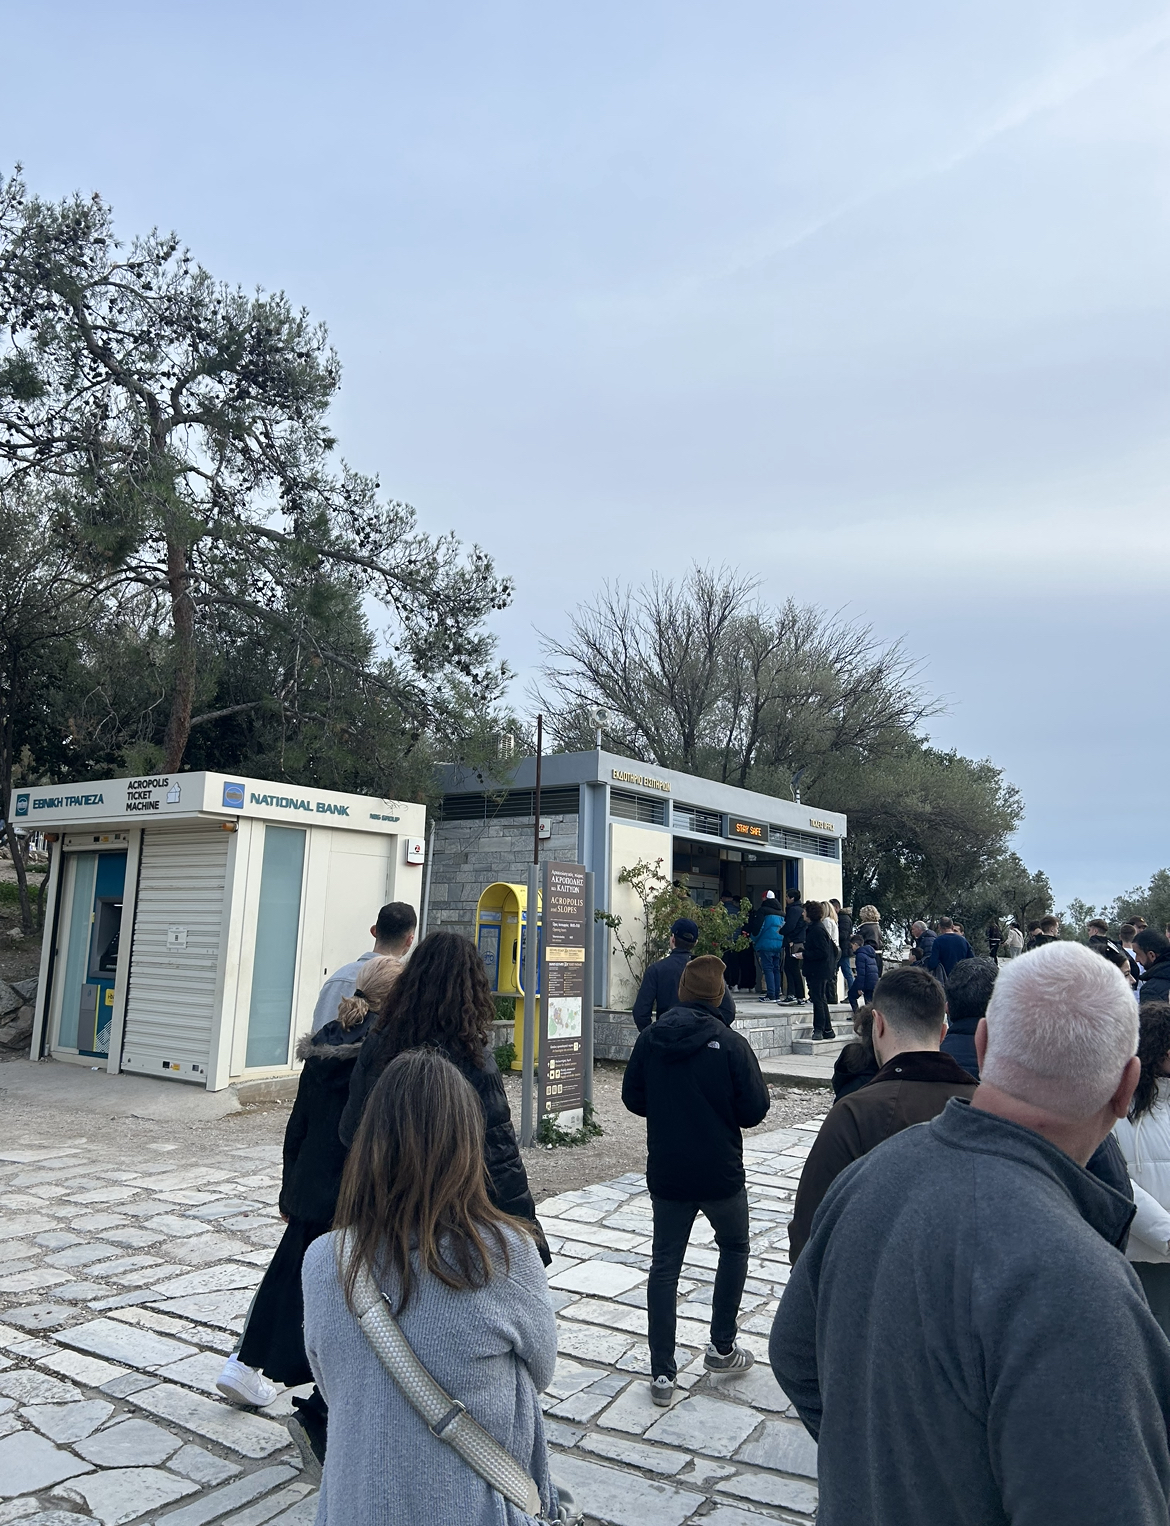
528, 1047
562, 985
587, 995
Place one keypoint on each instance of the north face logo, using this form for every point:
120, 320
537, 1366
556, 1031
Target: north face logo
714, 1044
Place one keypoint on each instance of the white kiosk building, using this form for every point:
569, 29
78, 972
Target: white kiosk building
608, 812
191, 918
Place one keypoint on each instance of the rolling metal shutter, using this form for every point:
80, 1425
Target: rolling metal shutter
170, 1003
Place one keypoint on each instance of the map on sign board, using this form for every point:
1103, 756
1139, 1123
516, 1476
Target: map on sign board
564, 1017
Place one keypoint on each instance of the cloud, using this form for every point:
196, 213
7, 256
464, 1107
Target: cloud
1056, 87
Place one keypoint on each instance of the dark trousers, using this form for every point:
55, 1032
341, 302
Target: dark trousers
793, 979
273, 1341
728, 1217
818, 990
744, 966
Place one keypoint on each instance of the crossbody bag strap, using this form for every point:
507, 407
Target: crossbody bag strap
445, 1417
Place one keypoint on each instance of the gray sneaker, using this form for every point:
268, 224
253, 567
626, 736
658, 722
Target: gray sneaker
662, 1391
305, 1443
736, 1360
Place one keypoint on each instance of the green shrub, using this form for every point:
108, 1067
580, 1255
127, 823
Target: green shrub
505, 1055
554, 1137
663, 901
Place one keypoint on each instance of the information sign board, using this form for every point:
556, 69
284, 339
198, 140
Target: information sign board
562, 1048
752, 831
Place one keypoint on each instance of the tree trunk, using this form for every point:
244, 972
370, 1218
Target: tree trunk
26, 916
183, 620
6, 766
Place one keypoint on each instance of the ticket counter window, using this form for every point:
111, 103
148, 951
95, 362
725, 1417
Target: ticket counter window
93, 896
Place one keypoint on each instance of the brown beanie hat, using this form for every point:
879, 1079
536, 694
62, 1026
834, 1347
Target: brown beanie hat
702, 980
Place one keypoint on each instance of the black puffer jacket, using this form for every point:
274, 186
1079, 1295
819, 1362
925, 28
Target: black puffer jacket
820, 952
697, 1083
509, 1180
313, 1154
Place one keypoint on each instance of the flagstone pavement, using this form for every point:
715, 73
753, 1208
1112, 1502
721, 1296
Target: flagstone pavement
123, 1286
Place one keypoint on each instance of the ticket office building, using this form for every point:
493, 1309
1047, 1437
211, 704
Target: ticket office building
609, 813
191, 918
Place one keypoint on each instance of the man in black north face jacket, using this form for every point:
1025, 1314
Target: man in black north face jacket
697, 1083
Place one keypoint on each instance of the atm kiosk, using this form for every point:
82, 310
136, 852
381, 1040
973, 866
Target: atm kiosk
191, 919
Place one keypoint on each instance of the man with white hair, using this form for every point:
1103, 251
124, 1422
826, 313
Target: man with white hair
923, 942
960, 1333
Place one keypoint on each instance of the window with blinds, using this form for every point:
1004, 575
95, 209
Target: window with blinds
634, 807
806, 844
518, 802
693, 819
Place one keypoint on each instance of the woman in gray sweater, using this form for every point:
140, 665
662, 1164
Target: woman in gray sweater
467, 1287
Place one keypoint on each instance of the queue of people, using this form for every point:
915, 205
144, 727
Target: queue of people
408, 1288
806, 951
412, 1261
968, 1275
982, 1229
965, 1278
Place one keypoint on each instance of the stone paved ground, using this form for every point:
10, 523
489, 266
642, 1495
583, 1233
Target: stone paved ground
123, 1283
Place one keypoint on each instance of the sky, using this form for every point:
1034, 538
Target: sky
869, 301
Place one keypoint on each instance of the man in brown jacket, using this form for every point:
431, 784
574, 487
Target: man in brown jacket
913, 1085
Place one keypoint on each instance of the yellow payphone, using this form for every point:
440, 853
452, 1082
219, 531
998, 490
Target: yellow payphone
501, 936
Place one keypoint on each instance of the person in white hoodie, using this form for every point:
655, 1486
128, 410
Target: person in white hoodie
1144, 1137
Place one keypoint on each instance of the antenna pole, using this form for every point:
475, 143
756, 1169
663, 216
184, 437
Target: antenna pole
536, 798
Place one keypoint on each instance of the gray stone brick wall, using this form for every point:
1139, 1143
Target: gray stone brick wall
471, 855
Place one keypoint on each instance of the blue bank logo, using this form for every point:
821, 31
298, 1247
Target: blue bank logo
233, 796
22, 805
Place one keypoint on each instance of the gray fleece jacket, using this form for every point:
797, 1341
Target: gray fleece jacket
966, 1343
492, 1348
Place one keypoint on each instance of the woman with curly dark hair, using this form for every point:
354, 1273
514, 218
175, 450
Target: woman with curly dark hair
443, 1000
1144, 1138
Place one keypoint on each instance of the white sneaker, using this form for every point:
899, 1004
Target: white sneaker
244, 1386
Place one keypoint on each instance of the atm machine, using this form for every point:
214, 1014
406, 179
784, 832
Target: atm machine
91, 909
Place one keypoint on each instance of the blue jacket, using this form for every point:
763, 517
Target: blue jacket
770, 938
946, 951
865, 967
960, 1045
658, 992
